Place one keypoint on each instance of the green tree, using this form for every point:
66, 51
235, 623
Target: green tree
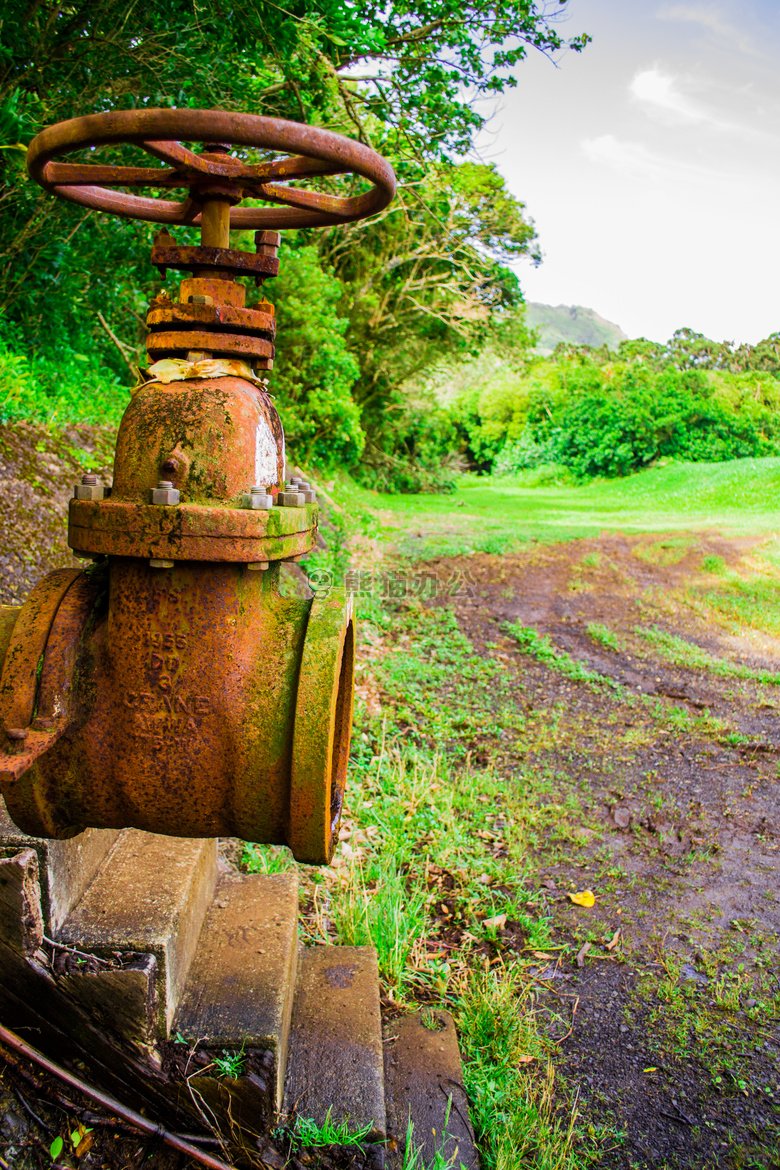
406, 77
314, 372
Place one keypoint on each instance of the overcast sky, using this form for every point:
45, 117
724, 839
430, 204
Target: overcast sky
650, 165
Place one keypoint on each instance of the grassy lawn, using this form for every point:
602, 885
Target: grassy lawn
562, 814
492, 514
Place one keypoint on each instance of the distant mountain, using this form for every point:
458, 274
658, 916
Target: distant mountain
573, 324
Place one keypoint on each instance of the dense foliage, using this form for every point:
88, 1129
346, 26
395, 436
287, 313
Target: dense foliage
405, 77
600, 413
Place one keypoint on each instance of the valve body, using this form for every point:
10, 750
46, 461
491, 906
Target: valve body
177, 685
185, 688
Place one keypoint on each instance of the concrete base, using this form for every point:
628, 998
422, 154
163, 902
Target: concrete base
151, 897
65, 867
335, 1058
124, 954
424, 1086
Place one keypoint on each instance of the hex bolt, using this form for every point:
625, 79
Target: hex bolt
165, 493
261, 565
303, 487
290, 499
307, 491
257, 497
158, 563
90, 488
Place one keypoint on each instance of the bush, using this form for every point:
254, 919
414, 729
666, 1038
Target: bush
74, 388
620, 418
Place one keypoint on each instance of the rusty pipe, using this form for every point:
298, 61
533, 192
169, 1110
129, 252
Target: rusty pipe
205, 701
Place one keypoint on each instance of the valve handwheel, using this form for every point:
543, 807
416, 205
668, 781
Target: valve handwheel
214, 175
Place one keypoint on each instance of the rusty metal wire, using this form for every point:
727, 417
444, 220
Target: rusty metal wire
110, 1103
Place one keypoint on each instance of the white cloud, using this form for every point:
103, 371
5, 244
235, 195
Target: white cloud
712, 19
661, 92
634, 159
663, 95
629, 157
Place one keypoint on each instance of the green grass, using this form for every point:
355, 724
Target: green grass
540, 647
307, 1134
417, 822
437, 850
230, 1064
749, 601
684, 653
503, 513
266, 858
442, 689
605, 637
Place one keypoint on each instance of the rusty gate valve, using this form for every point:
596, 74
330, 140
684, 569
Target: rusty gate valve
177, 685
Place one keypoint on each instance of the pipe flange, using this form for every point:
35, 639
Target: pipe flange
323, 728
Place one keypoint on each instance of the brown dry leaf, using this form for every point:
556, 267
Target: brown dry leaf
582, 953
583, 898
498, 922
524, 1059
614, 941
85, 1145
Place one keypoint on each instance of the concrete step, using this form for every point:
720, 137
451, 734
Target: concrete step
424, 1085
149, 896
65, 868
239, 995
335, 1058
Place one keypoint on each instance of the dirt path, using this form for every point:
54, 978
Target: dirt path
650, 747
644, 667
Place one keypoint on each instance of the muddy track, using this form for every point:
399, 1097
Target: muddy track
673, 768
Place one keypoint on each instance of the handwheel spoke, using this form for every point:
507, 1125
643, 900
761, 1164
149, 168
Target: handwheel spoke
292, 168
301, 151
89, 175
309, 200
178, 155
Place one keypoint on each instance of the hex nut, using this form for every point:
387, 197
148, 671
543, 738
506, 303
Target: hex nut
303, 486
165, 493
90, 488
259, 565
288, 499
158, 563
258, 497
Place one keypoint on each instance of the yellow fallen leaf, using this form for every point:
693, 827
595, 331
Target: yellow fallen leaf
653, 1069
583, 898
